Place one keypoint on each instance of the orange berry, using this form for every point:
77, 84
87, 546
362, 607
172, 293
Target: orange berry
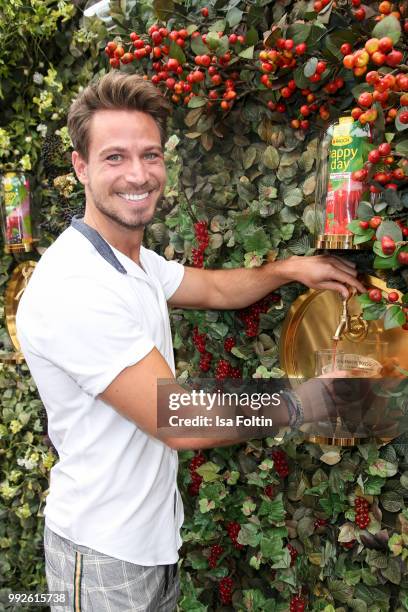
385, 7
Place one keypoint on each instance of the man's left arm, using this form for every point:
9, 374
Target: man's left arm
237, 288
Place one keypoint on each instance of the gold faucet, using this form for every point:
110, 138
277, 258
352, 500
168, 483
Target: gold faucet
344, 325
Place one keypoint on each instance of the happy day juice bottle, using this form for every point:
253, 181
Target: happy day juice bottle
344, 149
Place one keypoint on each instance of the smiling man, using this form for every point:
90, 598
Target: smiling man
93, 325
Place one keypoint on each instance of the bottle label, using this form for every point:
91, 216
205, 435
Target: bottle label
347, 153
16, 195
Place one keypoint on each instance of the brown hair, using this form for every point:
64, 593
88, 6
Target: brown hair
115, 90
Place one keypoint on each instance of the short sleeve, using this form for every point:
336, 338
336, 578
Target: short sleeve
89, 331
169, 273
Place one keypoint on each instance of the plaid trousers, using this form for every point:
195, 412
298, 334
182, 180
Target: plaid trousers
96, 582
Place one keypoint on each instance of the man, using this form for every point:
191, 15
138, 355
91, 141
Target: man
94, 328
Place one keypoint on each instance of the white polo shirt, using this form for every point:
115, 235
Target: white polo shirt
80, 322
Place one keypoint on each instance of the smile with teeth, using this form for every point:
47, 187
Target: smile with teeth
134, 197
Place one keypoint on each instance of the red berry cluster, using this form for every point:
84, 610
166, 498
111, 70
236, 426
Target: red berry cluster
215, 554
199, 340
320, 522
205, 361
222, 369
293, 554
201, 234
280, 463
362, 506
270, 491
225, 589
385, 175
229, 344
196, 461
233, 529
297, 604
348, 545
235, 373
389, 90
250, 316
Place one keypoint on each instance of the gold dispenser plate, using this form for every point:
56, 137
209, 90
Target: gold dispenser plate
310, 325
14, 290
338, 241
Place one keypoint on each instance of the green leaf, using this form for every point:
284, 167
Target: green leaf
383, 468
301, 81
270, 158
393, 571
249, 157
293, 197
374, 312
366, 238
257, 241
209, 471
271, 545
192, 28
305, 527
252, 36
234, 16
368, 578
391, 229
402, 147
212, 40
333, 46
340, 591
249, 535
394, 317
389, 26
205, 505
374, 485
310, 67
218, 26
177, 52
385, 263
354, 226
299, 32
197, 102
198, 47
247, 53
274, 509
365, 211
392, 501
163, 8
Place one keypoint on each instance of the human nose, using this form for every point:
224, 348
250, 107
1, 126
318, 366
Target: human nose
137, 171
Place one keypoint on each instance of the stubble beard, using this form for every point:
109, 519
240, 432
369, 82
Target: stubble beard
115, 216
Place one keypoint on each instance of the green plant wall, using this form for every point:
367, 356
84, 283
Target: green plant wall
272, 520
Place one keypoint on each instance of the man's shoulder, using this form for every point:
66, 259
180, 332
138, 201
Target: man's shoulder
71, 256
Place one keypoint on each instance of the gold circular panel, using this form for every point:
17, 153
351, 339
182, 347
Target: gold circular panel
14, 290
310, 326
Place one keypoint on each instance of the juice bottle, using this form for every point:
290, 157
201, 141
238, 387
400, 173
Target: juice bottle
344, 150
15, 201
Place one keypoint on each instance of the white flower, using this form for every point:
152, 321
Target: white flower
42, 128
38, 78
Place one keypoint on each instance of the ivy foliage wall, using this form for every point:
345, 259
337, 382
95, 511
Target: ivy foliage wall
266, 522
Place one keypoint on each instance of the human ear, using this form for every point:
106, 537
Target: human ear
80, 167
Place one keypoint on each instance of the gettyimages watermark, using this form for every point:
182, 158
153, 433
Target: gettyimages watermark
359, 407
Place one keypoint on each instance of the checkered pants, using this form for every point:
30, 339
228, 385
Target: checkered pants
98, 583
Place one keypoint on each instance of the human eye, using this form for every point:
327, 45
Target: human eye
114, 157
152, 155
